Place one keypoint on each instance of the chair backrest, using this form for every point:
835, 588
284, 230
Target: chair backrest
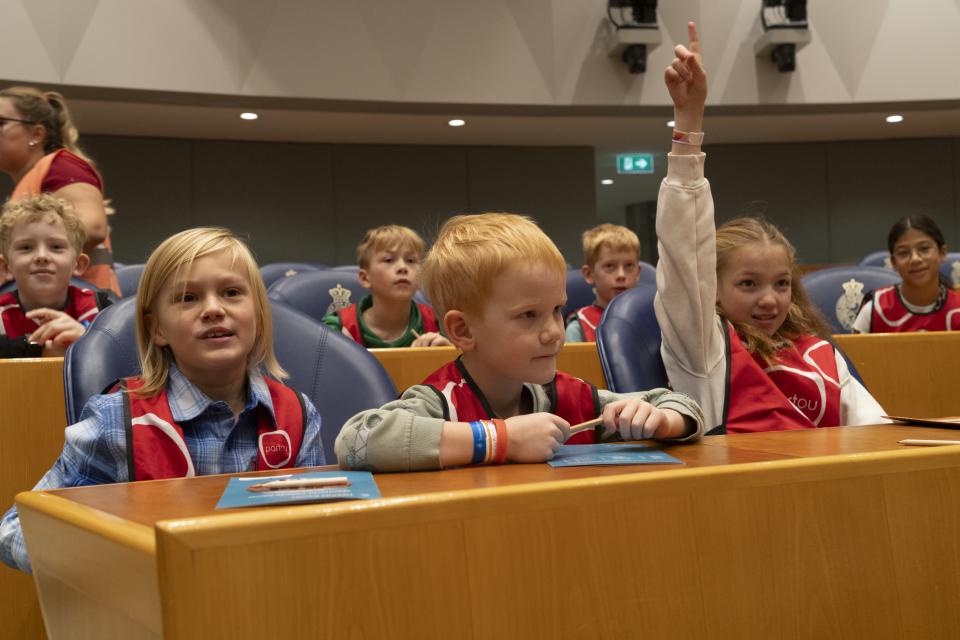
838, 291
628, 341
280, 270
340, 377
129, 278
318, 293
579, 293
76, 282
876, 259
950, 269
648, 273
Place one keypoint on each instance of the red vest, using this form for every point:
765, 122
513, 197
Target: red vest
348, 318
570, 398
81, 305
890, 315
799, 390
156, 448
589, 318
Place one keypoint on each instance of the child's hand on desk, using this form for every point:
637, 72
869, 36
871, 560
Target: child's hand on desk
430, 339
57, 331
535, 437
635, 419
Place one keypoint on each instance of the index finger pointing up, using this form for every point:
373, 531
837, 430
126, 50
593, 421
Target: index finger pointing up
694, 37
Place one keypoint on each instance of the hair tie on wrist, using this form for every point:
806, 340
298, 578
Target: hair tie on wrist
693, 138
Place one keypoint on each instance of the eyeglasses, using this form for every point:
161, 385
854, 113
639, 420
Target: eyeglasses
4, 121
925, 250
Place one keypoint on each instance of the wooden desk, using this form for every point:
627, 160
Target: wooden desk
750, 539
910, 374
32, 417
410, 366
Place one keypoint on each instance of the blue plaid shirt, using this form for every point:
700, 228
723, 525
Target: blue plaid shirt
95, 451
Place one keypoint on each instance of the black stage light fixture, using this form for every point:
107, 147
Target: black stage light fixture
632, 25
785, 30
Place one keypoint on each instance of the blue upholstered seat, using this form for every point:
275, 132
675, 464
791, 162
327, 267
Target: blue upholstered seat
339, 376
318, 293
628, 341
279, 270
837, 292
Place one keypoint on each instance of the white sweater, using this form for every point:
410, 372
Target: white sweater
693, 348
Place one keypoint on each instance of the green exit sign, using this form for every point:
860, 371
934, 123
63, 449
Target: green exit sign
635, 163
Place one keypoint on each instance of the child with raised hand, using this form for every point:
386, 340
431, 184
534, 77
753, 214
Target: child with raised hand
203, 403
739, 333
500, 284
389, 258
41, 245
922, 301
611, 263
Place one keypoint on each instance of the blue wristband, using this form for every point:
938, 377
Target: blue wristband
479, 442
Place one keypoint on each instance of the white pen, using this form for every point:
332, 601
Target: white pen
929, 443
304, 483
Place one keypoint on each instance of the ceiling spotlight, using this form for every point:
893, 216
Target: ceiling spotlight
671, 124
248, 115
606, 181
631, 27
457, 122
785, 31
894, 119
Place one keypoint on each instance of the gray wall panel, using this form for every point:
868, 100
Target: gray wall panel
786, 183
872, 184
281, 195
419, 187
555, 186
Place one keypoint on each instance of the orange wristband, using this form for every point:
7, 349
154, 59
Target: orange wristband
501, 454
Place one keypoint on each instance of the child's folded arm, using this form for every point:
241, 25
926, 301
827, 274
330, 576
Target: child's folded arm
403, 435
665, 399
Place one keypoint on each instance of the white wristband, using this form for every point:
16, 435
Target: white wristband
694, 138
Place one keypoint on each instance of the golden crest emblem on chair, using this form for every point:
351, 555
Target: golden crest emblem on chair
340, 298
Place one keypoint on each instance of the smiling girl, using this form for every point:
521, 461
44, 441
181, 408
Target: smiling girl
739, 334
922, 302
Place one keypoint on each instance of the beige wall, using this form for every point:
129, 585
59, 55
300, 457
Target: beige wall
543, 52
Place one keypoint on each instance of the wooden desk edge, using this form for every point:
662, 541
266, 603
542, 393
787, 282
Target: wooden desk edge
124, 532
251, 526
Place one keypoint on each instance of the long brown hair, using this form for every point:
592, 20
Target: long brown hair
48, 109
802, 317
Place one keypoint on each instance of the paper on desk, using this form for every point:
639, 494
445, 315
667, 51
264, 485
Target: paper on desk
582, 455
362, 486
951, 422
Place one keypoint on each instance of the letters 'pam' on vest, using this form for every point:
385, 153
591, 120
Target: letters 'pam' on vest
156, 448
570, 398
800, 389
891, 315
81, 306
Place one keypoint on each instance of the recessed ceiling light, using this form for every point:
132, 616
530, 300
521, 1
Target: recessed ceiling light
671, 123
248, 115
894, 119
457, 122
606, 181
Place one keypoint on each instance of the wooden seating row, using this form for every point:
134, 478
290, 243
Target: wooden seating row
909, 374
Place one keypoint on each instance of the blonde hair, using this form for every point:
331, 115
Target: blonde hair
41, 208
48, 109
612, 236
472, 250
175, 254
385, 238
802, 317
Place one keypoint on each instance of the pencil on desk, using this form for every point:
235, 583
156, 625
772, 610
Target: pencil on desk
584, 426
304, 483
929, 443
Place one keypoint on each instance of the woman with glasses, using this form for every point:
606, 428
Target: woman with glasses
922, 301
38, 149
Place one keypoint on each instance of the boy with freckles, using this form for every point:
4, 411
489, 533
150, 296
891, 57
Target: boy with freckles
499, 284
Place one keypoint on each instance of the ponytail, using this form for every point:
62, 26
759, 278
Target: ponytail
49, 109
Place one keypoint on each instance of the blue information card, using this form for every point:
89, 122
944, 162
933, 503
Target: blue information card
238, 494
582, 455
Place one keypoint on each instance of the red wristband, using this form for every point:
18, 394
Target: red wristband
501, 454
